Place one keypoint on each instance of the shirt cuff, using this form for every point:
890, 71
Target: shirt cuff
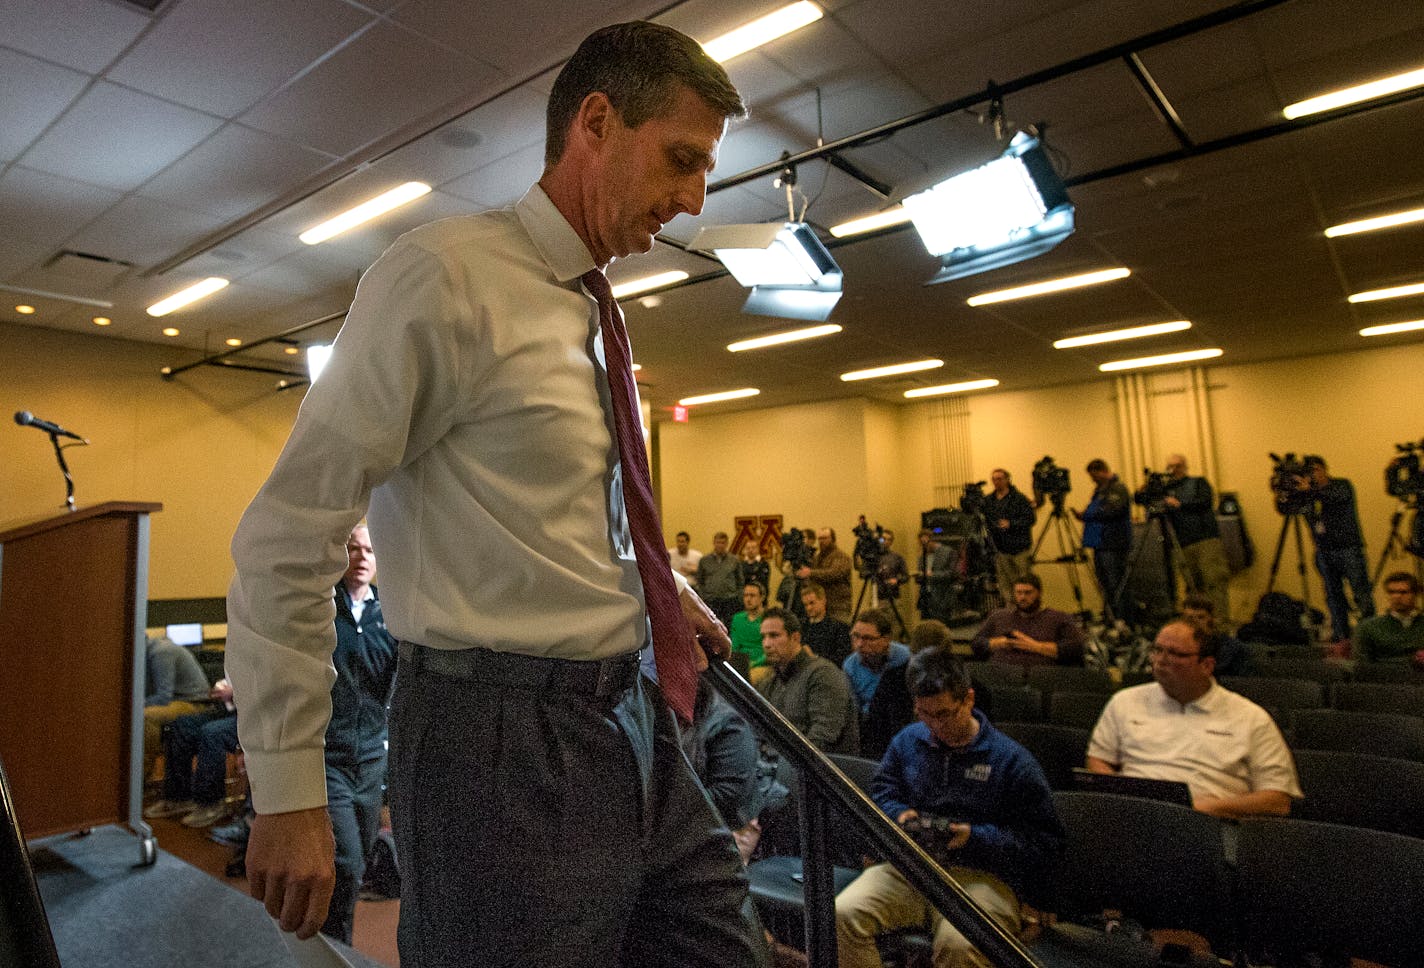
282, 782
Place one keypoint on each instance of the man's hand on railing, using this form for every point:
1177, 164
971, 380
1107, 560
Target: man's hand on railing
711, 634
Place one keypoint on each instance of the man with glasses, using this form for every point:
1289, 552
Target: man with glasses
1186, 727
875, 656
1398, 635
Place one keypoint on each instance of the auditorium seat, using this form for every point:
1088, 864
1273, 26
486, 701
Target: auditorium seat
1282, 695
1079, 710
1058, 749
1020, 705
1401, 673
1359, 790
1315, 890
1378, 697
1314, 669
1049, 679
1378, 734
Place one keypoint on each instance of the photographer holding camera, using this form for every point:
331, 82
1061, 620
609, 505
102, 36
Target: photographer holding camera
1011, 518
1334, 522
1190, 508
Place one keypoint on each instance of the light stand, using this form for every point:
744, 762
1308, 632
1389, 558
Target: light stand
1293, 521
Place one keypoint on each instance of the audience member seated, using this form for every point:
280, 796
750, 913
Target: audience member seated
827, 637
195, 749
874, 655
365, 663
807, 689
1030, 633
746, 631
975, 799
890, 708
1397, 636
1231, 653
723, 752
174, 685
1186, 727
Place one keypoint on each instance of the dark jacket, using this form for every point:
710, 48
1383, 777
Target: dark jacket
723, 752
829, 638
1334, 517
1107, 520
1016, 509
817, 698
993, 784
365, 661
1195, 520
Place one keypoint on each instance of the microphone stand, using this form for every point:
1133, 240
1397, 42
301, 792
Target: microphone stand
64, 469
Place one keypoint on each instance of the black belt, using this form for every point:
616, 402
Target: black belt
593, 678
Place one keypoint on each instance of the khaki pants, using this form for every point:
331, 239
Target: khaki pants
881, 900
1203, 564
1009, 568
154, 719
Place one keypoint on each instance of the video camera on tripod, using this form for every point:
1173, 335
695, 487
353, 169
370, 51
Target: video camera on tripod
1404, 478
1050, 481
972, 500
869, 546
795, 553
1154, 493
1286, 476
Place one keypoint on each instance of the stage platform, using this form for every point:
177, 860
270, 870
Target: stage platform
105, 910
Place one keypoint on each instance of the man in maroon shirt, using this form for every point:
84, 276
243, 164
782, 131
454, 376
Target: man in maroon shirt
1029, 633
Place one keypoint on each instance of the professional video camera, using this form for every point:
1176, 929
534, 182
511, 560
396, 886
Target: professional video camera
1051, 481
972, 500
1286, 475
794, 550
1403, 477
1153, 495
869, 546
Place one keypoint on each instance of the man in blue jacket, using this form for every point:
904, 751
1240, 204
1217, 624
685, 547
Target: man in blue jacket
976, 799
1107, 529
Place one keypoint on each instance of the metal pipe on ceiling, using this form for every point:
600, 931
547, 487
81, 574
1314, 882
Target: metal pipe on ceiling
216, 359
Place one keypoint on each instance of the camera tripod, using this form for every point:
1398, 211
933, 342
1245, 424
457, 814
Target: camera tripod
867, 579
1292, 521
1171, 553
1398, 544
1070, 552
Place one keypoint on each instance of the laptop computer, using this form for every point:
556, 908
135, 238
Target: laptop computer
1169, 791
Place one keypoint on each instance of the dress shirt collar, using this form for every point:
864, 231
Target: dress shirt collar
551, 233
1208, 702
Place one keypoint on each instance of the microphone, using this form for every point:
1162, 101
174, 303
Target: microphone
26, 419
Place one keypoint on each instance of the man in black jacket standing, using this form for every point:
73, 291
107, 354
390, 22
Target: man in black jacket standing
1334, 520
1107, 529
365, 661
1191, 511
1011, 518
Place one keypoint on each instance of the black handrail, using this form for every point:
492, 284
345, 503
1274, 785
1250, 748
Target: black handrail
823, 786
24, 930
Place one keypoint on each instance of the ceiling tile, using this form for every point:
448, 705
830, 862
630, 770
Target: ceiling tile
501, 182
32, 94
43, 208
488, 133
221, 57
76, 33
118, 138
143, 231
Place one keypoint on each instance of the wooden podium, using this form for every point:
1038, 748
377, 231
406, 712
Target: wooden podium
73, 607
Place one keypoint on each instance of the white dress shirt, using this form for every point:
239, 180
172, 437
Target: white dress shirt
1221, 745
466, 401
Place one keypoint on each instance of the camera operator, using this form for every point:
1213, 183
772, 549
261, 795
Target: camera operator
1107, 529
1190, 509
892, 574
1011, 517
830, 569
1339, 546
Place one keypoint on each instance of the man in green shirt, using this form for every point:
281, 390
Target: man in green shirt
746, 630
1398, 635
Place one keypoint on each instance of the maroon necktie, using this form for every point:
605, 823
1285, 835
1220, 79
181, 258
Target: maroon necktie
672, 638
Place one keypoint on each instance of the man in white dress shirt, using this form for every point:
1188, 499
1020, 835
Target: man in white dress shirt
542, 810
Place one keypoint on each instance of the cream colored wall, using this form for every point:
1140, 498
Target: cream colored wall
201, 444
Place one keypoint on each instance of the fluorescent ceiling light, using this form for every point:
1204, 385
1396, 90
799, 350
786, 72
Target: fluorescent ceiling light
364, 212
1356, 94
763, 30
318, 354
950, 388
894, 370
1376, 294
1162, 360
1113, 335
185, 296
1388, 328
1378, 222
635, 286
898, 215
776, 339
1051, 285
718, 397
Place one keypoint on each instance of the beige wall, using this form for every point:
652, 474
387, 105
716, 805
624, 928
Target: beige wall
201, 444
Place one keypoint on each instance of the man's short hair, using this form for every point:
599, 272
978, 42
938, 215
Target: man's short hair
789, 621
1404, 577
1029, 578
813, 588
1199, 603
1097, 464
878, 617
1207, 644
684, 534
1000, 470
931, 633
832, 531
719, 534
936, 671
639, 66
755, 584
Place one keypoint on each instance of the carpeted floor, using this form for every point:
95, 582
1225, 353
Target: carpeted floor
107, 911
